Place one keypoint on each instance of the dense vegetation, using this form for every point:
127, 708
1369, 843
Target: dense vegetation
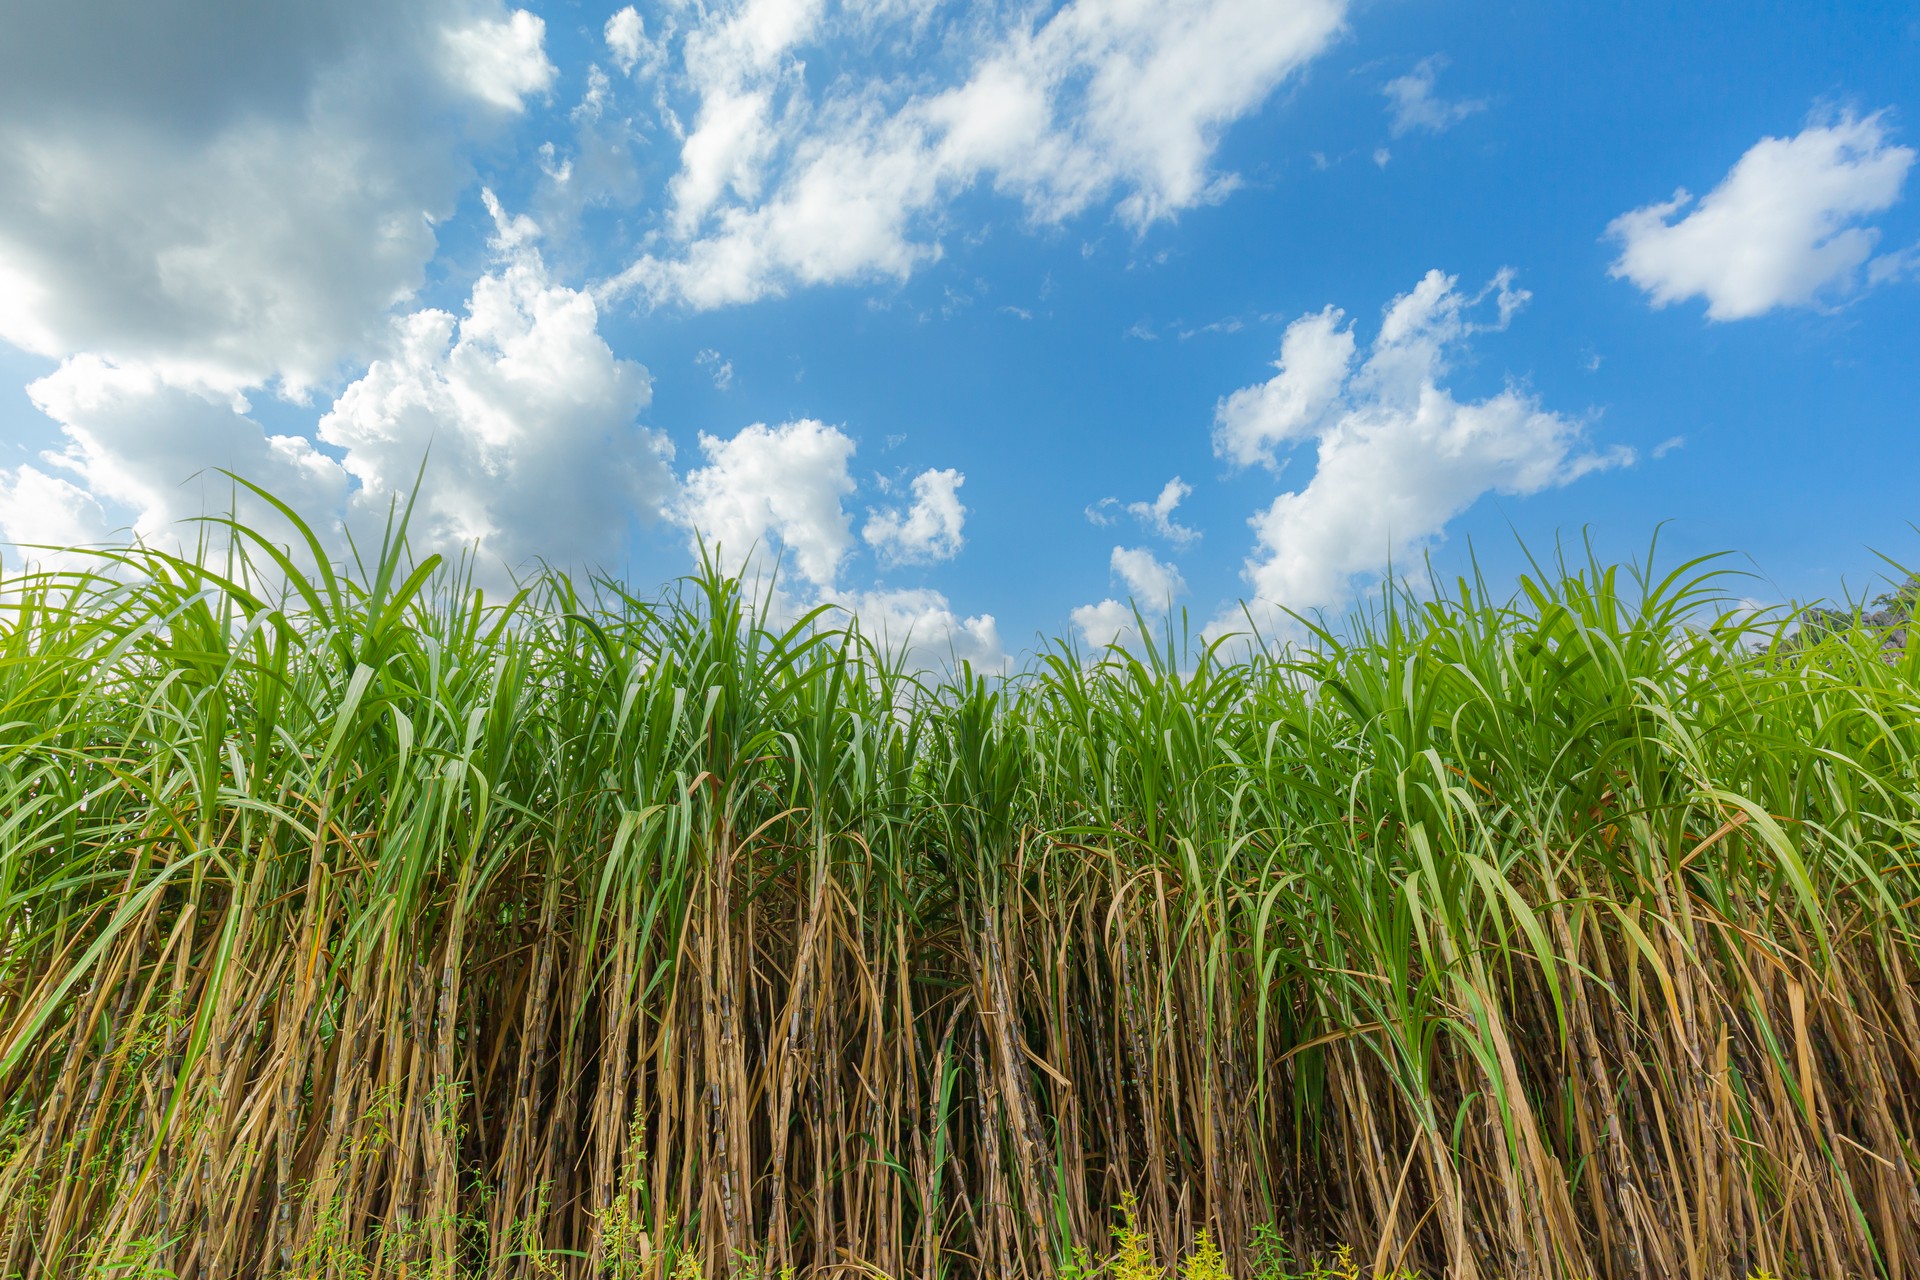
362, 928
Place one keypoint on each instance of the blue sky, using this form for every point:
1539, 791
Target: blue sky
936, 301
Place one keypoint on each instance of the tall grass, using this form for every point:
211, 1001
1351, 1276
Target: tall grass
367, 928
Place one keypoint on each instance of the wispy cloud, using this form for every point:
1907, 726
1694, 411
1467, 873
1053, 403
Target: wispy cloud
785, 183
1156, 516
1413, 104
718, 368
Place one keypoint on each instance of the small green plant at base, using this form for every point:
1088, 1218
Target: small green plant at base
524, 1239
1080, 1264
627, 1248
1272, 1259
1206, 1262
328, 1251
141, 1261
1132, 1247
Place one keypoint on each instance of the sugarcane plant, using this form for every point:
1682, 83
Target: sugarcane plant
355, 922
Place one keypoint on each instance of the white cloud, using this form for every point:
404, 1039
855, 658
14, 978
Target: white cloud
1900, 264
501, 62
719, 368
1316, 355
1415, 105
528, 418
1149, 580
185, 222
40, 511
922, 623
730, 143
1785, 227
633, 52
1151, 585
1156, 516
597, 167
780, 186
1398, 454
929, 530
780, 492
1108, 623
769, 489
736, 62
151, 453
237, 211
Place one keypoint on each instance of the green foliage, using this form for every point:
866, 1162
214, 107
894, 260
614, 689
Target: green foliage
627, 1247
354, 923
1132, 1248
1206, 1262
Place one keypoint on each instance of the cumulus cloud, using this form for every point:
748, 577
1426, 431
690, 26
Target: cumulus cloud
232, 212
927, 531
1413, 104
782, 183
1151, 586
150, 454
528, 418
768, 490
1101, 625
186, 223
1148, 579
1785, 227
1398, 455
781, 491
1316, 354
921, 624
45, 518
